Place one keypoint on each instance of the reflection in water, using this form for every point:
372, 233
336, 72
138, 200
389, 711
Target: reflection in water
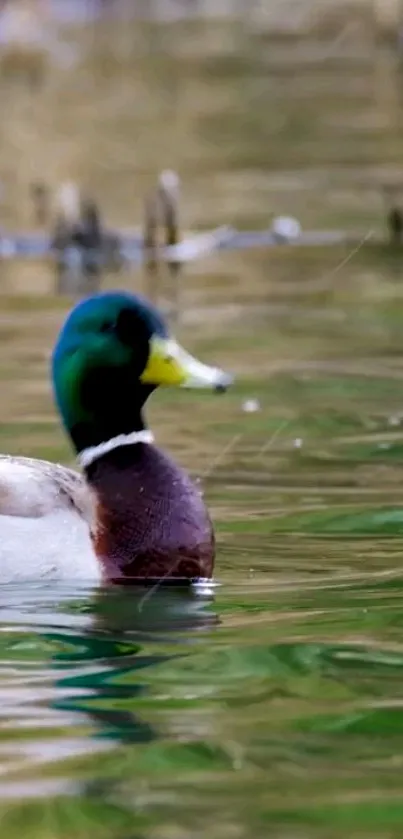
153, 708
123, 620
70, 658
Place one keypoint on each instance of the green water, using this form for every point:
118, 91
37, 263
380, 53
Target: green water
275, 710
269, 706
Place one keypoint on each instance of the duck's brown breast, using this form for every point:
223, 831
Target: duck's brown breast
151, 521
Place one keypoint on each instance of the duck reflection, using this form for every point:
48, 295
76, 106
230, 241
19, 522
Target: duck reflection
104, 665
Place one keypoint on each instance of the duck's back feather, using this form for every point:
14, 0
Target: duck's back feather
45, 516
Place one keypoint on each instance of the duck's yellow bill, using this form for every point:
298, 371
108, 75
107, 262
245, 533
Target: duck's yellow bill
170, 365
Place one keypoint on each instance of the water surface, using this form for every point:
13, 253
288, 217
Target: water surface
274, 709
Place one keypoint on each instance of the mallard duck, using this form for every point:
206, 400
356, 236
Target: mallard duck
133, 513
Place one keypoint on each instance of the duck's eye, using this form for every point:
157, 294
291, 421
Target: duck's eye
132, 328
108, 326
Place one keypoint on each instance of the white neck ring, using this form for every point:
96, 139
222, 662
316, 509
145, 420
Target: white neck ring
87, 456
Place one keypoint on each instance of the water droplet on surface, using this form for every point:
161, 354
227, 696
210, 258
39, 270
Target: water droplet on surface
251, 406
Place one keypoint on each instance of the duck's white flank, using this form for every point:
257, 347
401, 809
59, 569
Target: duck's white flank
87, 456
45, 521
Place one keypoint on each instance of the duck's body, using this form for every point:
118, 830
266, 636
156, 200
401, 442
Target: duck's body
45, 515
71, 526
133, 514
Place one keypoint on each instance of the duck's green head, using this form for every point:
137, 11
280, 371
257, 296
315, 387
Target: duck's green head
113, 351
